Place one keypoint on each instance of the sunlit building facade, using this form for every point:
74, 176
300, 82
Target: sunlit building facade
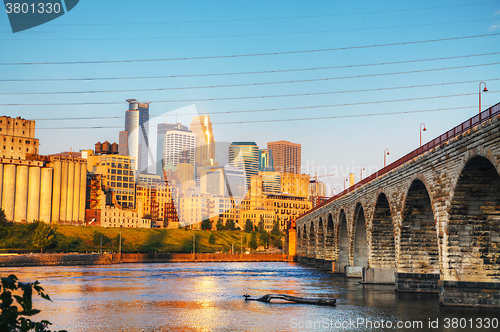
286, 156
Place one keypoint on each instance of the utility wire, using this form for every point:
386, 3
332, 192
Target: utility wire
250, 97
247, 35
244, 73
272, 109
284, 120
277, 18
247, 55
252, 84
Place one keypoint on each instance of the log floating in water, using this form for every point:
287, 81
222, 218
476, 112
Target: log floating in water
305, 300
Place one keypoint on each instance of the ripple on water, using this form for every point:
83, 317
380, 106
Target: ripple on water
208, 297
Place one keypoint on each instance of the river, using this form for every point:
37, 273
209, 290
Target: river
208, 297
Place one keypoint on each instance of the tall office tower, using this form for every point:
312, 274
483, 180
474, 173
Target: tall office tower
286, 156
134, 139
172, 140
245, 155
205, 143
161, 130
266, 160
205, 146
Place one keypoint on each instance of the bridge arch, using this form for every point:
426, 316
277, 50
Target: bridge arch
311, 248
299, 241
419, 249
330, 239
320, 246
360, 244
473, 243
304, 241
382, 247
343, 240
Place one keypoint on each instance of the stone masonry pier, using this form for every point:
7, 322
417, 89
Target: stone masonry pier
429, 222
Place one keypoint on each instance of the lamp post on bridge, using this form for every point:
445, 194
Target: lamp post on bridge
345, 180
485, 90
422, 124
385, 154
361, 172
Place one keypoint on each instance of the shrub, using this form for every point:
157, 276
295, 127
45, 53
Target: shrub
211, 239
44, 235
11, 319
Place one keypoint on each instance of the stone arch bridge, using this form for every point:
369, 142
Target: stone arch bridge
429, 222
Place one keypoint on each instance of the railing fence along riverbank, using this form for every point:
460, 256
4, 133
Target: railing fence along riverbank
103, 259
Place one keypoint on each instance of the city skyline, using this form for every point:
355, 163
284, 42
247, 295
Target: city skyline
346, 67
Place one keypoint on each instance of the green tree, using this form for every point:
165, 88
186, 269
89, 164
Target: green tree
220, 226
165, 222
11, 319
206, 224
44, 236
253, 240
276, 228
248, 226
96, 239
264, 239
261, 224
211, 239
277, 242
230, 226
3, 218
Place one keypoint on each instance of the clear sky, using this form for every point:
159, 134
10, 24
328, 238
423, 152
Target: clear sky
349, 41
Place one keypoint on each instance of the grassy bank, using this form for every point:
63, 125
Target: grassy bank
88, 239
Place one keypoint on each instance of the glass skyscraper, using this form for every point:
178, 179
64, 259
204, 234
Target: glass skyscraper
245, 155
134, 139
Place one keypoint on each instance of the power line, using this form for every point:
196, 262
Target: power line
344, 116
277, 18
251, 97
252, 84
247, 55
285, 120
247, 35
277, 109
245, 73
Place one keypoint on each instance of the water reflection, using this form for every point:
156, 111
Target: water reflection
208, 297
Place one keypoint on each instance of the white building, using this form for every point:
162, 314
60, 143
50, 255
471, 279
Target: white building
172, 140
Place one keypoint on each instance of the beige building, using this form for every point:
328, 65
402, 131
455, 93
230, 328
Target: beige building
69, 187
25, 190
157, 202
295, 184
112, 216
117, 174
104, 210
34, 187
17, 138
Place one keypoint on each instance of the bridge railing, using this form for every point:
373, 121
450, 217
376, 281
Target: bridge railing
465, 126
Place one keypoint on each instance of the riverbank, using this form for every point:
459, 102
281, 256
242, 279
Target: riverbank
103, 259
18, 237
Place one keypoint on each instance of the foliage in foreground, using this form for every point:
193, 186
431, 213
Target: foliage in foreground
13, 319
